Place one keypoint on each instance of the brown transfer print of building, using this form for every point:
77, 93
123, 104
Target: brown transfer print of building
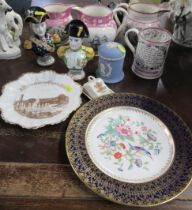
39, 108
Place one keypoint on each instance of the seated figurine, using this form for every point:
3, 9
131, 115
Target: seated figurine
181, 15
10, 31
75, 55
42, 43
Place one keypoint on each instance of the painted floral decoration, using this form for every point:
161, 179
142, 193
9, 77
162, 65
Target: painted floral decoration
128, 143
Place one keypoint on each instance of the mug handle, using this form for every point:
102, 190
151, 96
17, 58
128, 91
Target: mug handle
131, 47
119, 24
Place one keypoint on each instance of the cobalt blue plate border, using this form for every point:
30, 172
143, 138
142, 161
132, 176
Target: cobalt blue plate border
156, 192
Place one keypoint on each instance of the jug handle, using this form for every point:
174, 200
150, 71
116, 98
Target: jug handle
119, 9
119, 24
124, 6
76, 12
127, 41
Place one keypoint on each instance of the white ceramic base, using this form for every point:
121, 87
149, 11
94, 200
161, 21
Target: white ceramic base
145, 76
189, 44
45, 60
12, 54
75, 76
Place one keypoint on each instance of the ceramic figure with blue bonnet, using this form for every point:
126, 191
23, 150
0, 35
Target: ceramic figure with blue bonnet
41, 42
111, 60
75, 55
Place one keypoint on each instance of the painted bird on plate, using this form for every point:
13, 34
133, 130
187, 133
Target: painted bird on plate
140, 150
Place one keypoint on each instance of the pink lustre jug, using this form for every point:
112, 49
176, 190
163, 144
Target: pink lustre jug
59, 17
99, 20
142, 15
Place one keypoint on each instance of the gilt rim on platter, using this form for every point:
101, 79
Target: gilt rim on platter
35, 100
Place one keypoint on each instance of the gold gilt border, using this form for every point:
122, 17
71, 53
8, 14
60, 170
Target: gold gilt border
82, 111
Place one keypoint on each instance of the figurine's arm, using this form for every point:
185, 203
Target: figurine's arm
89, 52
56, 38
61, 51
27, 44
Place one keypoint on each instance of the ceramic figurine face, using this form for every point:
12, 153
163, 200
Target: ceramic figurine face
75, 43
39, 29
4, 6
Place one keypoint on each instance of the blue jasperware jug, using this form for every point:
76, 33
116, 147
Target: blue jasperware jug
111, 60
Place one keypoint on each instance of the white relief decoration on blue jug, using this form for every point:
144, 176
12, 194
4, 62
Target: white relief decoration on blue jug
105, 69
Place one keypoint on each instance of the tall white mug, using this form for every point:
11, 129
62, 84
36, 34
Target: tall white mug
151, 51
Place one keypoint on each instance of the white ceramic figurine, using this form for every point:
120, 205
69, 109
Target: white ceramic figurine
11, 26
75, 55
181, 14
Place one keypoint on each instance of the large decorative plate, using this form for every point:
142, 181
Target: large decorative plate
129, 144
148, 131
39, 99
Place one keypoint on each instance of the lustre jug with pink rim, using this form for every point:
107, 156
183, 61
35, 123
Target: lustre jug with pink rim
143, 15
100, 22
59, 17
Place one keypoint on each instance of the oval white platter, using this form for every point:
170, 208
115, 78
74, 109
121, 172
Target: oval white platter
38, 99
130, 144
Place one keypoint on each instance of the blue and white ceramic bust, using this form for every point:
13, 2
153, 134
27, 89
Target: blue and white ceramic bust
111, 60
41, 42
